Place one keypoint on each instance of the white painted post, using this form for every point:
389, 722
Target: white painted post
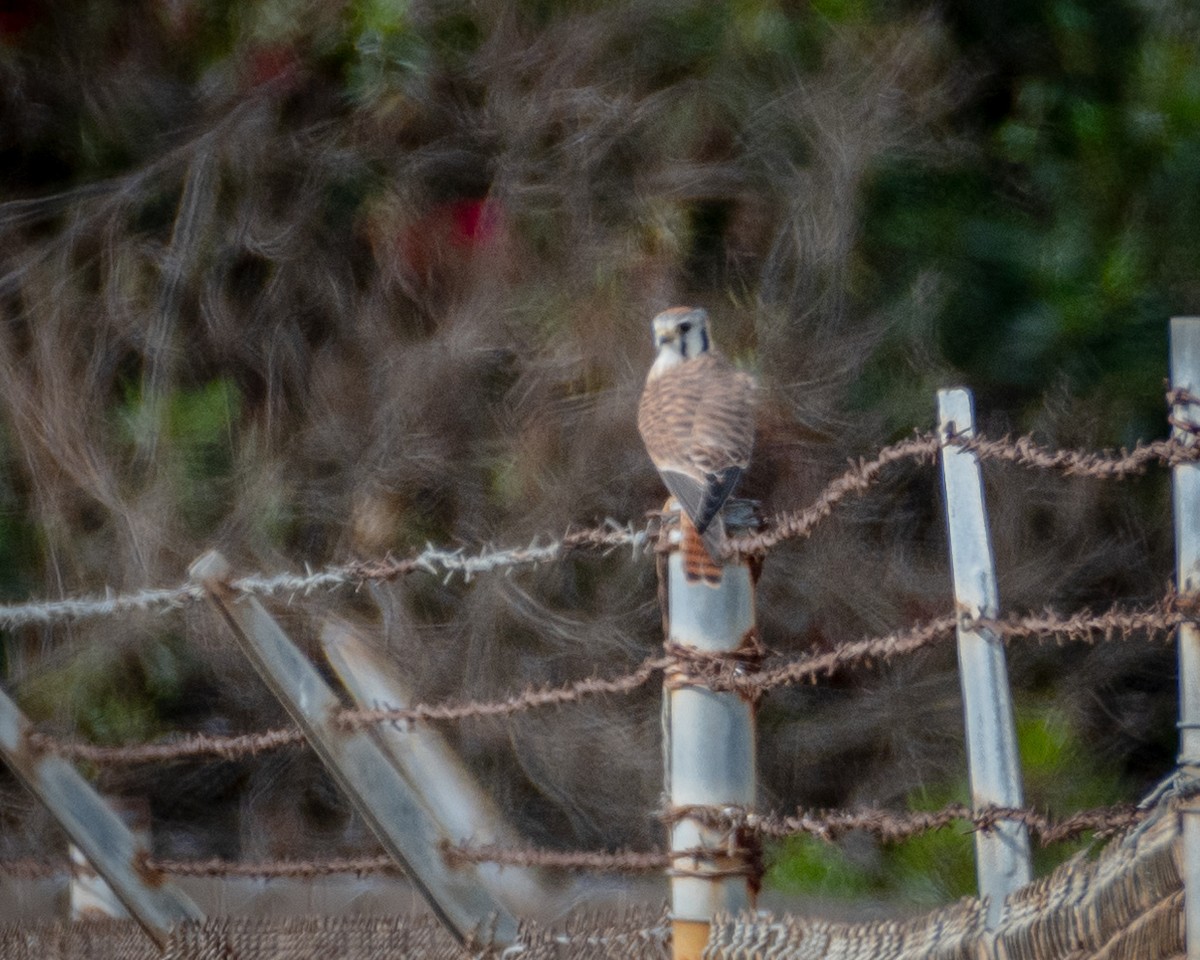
709, 746
1001, 854
93, 826
1185, 488
402, 823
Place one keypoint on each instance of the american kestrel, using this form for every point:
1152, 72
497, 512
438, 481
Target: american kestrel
696, 417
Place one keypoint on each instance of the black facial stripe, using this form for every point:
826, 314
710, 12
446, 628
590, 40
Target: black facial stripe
704, 339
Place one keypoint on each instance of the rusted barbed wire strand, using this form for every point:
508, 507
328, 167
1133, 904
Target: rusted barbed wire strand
527, 700
31, 868
891, 827
1155, 621
809, 667
1117, 623
1022, 451
860, 477
188, 747
307, 869
887, 826
624, 861
206, 746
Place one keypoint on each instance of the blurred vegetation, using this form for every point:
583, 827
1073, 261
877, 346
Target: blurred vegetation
1062, 775
307, 280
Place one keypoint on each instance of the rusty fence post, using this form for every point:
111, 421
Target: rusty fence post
709, 746
1185, 490
1002, 853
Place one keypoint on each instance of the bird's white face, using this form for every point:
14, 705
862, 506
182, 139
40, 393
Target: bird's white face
679, 334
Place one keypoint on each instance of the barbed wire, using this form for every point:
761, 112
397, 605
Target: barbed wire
1118, 623
1021, 451
193, 746
437, 561
529, 699
304, 869
46, 612
622, 861
860, 477
888, 827
212, 747
610, 535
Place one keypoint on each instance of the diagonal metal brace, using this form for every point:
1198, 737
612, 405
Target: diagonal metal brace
95, 828
406, 828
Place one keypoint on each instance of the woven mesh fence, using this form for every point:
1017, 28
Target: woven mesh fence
1126, 904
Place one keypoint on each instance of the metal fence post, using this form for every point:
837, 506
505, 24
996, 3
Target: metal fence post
407, 829
1002, 853
709, 749
439, 778
94, 827
1185, 489
90, 895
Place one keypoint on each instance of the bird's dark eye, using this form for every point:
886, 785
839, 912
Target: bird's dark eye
685, 327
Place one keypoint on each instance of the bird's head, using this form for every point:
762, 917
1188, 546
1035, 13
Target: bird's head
679, 334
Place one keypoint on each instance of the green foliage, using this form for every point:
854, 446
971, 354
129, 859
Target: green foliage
812, 866
113, 697
392, 52
190, 432
1047, 243
937, 866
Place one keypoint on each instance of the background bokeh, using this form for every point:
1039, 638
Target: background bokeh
309, 281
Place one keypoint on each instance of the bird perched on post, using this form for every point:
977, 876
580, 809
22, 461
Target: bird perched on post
696, 417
